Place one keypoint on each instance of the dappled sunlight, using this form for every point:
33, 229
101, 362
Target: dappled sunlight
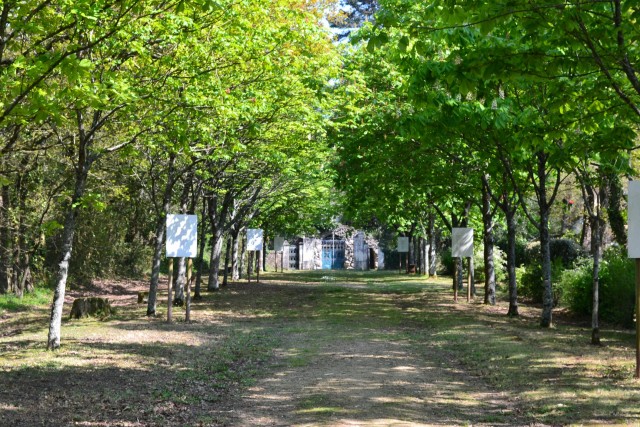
378, 349
368, 377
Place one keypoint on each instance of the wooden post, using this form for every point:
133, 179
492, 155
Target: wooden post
469, 280
455, 281
637, 317
170, 297
187, 317
249, 266
259, 266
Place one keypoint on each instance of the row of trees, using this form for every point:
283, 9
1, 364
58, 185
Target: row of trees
115, 113
475, 111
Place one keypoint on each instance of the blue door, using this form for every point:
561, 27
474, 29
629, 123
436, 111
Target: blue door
332, 254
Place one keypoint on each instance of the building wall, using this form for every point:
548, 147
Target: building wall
380, 259
360, 252
357, 253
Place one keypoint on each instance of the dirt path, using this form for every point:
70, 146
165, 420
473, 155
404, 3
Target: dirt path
368, 379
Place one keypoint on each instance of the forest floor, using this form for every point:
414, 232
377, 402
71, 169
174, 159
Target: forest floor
314, 349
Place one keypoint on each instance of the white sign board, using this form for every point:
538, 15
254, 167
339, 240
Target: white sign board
182, 236
633, 231
403, 244
278, 244
462, 242
254, 239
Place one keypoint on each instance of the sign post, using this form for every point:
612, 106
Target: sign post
255, 237
182, 242
633, 246
403, 246
187, 317
462, 247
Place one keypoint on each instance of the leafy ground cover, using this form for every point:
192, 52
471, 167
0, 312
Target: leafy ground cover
314, 348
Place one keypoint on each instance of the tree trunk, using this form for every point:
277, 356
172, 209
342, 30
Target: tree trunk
243, 248
258, 259
614, 211
180, 281
5, 240
432, 245
596, 236
597, 230
511, 262
235, 265
412, 246
181, 274
24, 281
202, 245
55, 320
160, 230
227, 259
585, 229
155, 267
544, 210
214, 261
420, 256
488, 240
547, 293
263, 253
460, 273
472, 277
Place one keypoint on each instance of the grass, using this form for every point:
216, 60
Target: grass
11, 303
134, 368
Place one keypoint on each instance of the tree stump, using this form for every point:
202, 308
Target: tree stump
85, 307
142, 297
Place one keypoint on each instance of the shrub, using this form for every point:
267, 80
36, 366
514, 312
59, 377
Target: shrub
564, 249
521, 248
576, 287
499, 261
530, 284
617, 288
446, 262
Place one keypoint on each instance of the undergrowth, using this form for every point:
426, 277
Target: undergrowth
13, 303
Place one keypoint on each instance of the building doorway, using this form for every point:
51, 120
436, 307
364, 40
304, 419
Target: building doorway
332, 254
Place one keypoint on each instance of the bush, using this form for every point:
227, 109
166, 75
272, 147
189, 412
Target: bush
521, 248
499, 261
617, 288
530, 284
564, 249
576, 287
564, 253
446, 264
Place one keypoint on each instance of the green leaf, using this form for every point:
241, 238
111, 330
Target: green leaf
85, 64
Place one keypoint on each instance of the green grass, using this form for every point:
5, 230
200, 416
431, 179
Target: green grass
556, 376
39, 297
341, 276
